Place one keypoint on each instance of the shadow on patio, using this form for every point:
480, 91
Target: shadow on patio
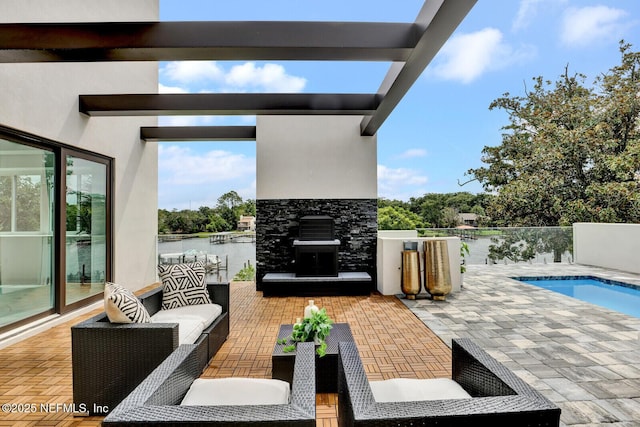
35, 374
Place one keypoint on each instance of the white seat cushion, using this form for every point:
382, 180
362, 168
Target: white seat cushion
410, 389
237, 391
189, 330
207, 313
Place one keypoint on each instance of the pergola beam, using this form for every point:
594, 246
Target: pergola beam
175, 41
198, 133
409, 46
229, 104
437, 20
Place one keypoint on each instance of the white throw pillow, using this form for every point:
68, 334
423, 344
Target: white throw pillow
183, 284
237, 391
122, 306
410, 390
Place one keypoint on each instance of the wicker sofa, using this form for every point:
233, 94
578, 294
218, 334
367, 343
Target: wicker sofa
156, 401
109, 360
497, 396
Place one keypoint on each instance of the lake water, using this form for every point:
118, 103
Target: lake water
236, 254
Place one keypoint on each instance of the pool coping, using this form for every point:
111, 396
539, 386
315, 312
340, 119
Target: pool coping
578, 277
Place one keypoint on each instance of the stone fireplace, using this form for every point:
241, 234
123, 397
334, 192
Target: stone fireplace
316, 249
316, 246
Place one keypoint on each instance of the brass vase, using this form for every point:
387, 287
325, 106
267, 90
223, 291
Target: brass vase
410, 274
437, 274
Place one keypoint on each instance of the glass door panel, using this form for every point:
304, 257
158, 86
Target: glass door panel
86, 226
27, 188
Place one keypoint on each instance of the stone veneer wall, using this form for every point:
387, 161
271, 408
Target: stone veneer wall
356, 226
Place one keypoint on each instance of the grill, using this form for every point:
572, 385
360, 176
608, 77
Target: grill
316, 250
316, 227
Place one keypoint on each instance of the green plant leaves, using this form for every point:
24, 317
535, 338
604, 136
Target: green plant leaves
318, 325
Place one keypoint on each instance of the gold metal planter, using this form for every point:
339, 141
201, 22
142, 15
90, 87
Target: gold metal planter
437, 274
410, 274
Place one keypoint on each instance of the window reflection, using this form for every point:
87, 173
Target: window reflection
86, 227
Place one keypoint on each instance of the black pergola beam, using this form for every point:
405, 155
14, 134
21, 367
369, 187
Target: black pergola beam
175, 41
437, 21
198, 133
226, 104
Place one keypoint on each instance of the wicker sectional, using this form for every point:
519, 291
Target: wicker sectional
156, 401
110, 360
499, 397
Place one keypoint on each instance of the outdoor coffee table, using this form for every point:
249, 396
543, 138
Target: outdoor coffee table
326, 366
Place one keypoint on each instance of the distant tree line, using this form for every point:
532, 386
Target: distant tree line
223, 217
431, 210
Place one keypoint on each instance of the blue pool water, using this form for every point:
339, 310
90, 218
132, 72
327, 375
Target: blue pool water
618, 296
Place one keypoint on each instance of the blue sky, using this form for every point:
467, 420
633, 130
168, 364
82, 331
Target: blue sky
438, 130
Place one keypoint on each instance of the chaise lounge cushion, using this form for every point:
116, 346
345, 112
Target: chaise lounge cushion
122, 306
237, 391
411, 390
183, 284
192, 320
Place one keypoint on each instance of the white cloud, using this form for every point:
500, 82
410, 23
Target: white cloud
188, 120
465, 57
400, 183
170, 89
412, 153
192, 71
269, 78
584, 26
180, 166
529, 9
209, 76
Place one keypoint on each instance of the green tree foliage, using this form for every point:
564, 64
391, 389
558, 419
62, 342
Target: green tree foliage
569, 153
26, 203
223, 217
441, 210
397, 218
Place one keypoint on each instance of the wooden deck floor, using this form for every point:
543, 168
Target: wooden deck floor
35, 374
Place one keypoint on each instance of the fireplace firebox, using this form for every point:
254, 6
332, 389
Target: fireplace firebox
316, 249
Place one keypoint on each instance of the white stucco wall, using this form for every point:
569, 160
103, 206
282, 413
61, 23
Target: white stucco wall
42, 99
389, 275
321, 157
615, 246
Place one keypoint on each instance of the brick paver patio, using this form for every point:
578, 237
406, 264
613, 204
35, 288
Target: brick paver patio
582, 357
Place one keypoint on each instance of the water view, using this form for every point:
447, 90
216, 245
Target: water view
233, 254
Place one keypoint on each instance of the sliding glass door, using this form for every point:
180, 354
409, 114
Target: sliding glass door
55, 227
27, 185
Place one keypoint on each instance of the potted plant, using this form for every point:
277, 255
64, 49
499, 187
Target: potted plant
315, 327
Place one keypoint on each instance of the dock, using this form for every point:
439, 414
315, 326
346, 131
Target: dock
233, 237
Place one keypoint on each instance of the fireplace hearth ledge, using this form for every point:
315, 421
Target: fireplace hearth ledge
346, 283
334, 242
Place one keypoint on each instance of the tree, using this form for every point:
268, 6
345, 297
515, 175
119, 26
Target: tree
229, 200
397, 218
450, 217
569, 153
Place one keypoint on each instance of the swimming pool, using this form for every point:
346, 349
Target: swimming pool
611, 294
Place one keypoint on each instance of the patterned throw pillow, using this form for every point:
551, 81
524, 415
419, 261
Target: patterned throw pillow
122, 306
183, 284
